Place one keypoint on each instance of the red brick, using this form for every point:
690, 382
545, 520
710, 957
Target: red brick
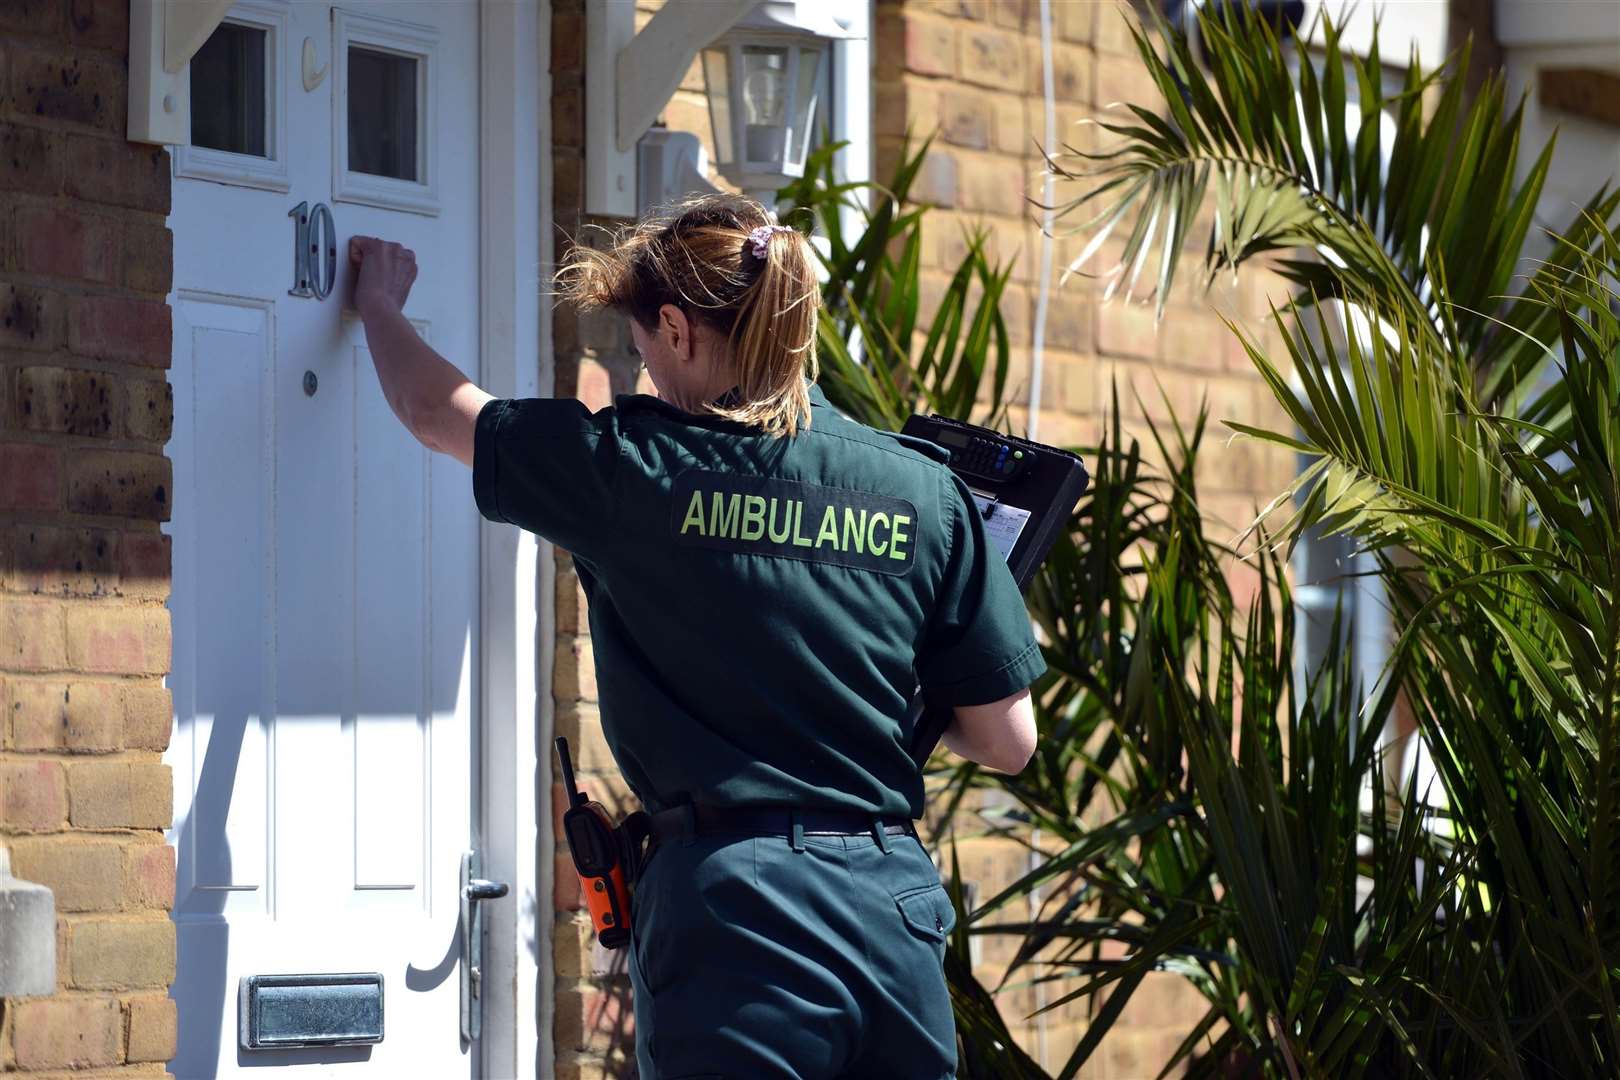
119, 328
66, 716
568, 115
116, 955
30, 160
31, 317
964, 119
120, 795
149, 410
144, 564
99, 24
152, 1028
992, 58
67, 401
85, 876
69, 88
148, 717
567, 39
148, 258
117, 640
565, 891
68, 1033
33, 796
43, 18
149, 876
32, 635
61, 242
117, 173
119, 484
30, 477
930, 46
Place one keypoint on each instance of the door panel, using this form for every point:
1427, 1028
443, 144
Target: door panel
325, 565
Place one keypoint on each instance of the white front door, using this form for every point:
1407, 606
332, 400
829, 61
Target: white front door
326, 591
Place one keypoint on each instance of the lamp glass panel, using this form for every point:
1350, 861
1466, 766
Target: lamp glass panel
766, 101
804, 104
717, 84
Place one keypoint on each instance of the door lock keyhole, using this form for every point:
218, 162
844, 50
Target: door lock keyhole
311, 383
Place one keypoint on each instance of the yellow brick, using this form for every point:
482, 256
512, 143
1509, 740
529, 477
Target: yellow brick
116, 955
119, 794
153, 1028
84, 875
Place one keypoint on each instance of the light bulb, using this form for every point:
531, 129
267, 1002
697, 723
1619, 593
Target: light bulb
763, 95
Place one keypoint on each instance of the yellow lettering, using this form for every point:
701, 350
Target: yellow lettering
694, 514
896, 550
854, 531
871, 534
799, 539
753, 517
723, 516
780, 536
829, 529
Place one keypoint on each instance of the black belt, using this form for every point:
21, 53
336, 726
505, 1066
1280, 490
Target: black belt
679, 822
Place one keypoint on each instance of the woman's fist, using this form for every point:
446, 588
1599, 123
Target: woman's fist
384, 272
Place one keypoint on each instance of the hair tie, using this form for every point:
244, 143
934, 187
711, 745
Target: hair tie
759, 239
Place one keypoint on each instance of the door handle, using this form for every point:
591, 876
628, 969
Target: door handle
473, 890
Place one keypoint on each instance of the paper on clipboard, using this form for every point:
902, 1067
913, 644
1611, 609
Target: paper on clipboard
1002, 523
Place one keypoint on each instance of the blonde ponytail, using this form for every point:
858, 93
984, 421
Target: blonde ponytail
720, 259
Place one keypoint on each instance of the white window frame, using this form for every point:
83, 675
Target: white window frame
249, 170
400, 38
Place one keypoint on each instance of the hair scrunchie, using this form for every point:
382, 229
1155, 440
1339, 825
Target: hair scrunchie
759, 239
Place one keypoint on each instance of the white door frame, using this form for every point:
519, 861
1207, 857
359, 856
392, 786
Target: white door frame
516, 569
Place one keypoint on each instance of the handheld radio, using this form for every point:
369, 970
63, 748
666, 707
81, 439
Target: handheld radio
1024, 492
599, 858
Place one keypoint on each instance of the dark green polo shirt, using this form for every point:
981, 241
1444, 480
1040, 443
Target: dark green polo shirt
761, 609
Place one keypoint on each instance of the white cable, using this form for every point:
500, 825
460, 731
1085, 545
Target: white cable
1043, 295
1037, 356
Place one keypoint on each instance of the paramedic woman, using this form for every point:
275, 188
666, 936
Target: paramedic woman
768, 583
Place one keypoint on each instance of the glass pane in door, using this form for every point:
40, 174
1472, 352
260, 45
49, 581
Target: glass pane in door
382, 113
228, 107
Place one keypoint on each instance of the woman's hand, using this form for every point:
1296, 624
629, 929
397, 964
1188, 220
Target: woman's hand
384, 273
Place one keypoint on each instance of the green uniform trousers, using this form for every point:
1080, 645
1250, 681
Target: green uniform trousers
752, 960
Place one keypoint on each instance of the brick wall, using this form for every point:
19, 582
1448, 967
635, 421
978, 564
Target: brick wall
85, 263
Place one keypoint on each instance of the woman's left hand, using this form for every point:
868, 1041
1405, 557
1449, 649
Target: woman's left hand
384, 274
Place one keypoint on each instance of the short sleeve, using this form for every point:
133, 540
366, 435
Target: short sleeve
978, 647
548, 465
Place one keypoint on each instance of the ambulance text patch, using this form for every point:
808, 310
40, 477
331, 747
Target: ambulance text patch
791, 520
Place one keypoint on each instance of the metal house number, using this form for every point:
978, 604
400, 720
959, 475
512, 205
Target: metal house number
313, 233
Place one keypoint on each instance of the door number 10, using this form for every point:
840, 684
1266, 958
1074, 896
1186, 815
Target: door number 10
313, 233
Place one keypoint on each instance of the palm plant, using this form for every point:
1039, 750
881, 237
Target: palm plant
1468, 437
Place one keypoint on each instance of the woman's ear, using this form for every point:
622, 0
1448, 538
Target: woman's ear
672, 321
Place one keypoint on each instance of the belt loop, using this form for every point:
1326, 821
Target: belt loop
688, 824
796, 829
880, 833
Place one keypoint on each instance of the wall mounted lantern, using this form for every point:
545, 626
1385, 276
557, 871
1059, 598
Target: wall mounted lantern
761, 60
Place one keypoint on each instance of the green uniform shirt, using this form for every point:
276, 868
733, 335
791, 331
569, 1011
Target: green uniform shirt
761, 608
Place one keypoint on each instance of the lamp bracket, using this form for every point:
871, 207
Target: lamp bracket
163, 37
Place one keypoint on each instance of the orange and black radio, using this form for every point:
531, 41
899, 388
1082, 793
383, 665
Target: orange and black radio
600, 858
